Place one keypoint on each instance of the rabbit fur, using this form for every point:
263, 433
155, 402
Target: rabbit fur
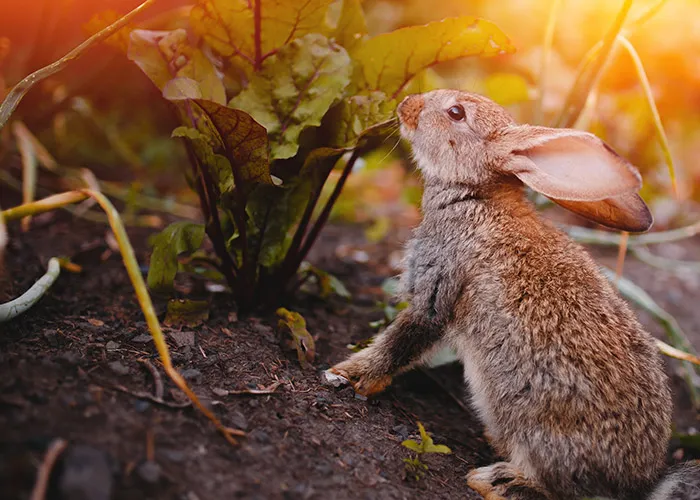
569, 386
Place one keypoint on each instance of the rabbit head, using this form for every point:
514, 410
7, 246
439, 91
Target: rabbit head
464, 138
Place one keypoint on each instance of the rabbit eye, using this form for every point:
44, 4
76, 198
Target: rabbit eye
456, 112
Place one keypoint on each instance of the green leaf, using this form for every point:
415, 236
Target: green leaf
412, 445
390, 287
506, 88
350, 27
244, 142
294, 89
184, 312
437, 448
178, 238
379, 229
164, 55
228, 26
424, 437
219, 166
327, 283
354, 116
277, 209
387, 62
182, 88
294, 323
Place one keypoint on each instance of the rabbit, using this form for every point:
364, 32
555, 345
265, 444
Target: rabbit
570, 388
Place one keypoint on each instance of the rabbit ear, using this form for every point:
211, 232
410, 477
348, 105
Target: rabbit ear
626, 212
578, 171
566, 164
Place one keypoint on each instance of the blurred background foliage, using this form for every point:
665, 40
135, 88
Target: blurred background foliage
103, 113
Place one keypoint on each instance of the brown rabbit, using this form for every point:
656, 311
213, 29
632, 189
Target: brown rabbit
569, 386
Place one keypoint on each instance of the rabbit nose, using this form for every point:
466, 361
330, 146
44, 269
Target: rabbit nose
409, 109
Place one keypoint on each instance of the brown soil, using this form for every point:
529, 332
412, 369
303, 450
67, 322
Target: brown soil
61, 362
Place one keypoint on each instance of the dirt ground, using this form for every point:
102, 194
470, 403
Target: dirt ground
67, 367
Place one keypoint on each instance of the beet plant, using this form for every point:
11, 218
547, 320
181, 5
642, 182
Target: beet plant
271, 97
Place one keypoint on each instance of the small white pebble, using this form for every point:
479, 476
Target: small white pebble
334, 379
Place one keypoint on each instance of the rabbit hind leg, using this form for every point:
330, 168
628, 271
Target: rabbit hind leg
503, 480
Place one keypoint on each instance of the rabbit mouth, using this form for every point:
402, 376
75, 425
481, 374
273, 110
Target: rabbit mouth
409, 110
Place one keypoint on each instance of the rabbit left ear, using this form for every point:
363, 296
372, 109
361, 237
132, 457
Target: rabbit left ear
626, 212
576, 170
566, 164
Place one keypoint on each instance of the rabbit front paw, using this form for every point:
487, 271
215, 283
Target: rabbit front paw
361, 376
504, 481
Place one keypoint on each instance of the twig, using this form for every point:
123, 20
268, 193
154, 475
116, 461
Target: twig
589, 74
19, 91
138, 283
152, 221
606, 238
546, 58
673, 330
150, 445
254, 392
672, 352
151, 397
656, 118
643, 254
157, 379
44, 473
646, 16
12, 309
29, 162
111, 188
621, 252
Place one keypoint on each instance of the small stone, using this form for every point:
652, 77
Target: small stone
112, 346
324, 469
239, 421
360, 256
219, 392
261, 437
401, 431
182, 338
87, 474
51, 338
209, 361
175, 456
149, 472
142, 339
192, 374
360, 397
70, 358
119, 368
183, 354
333, 380
141, 405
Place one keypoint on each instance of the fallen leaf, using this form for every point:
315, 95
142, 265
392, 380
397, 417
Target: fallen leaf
184, 312
302, 340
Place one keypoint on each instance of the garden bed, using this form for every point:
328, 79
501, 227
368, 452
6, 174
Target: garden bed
72, 368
